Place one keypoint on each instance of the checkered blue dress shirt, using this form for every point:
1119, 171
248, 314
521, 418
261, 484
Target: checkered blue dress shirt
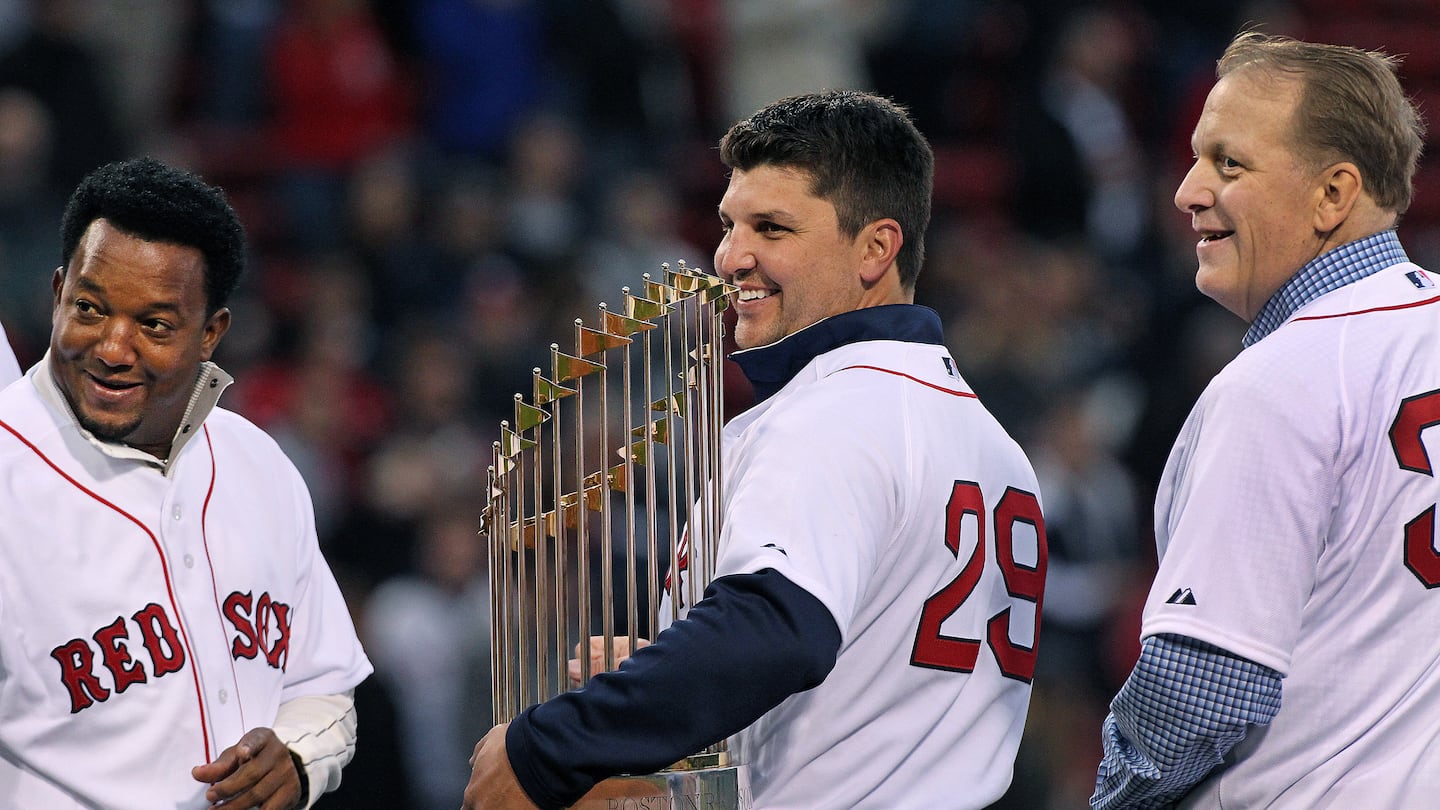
1185, 704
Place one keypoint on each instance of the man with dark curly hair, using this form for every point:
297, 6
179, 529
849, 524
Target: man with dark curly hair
172, 636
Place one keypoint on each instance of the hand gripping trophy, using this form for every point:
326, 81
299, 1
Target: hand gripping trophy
611, 469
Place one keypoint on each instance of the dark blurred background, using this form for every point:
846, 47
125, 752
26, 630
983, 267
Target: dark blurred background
435, 189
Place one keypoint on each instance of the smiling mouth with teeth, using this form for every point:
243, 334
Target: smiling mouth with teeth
1214, 237
755, 295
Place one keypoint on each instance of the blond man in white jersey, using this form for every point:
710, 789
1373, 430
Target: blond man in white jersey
1289, 648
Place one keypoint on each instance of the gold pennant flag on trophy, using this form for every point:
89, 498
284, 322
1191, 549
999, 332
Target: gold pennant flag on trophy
621, 325
513, 444
528, 416
637, 451
568, 367
593, 341
663, 293
643, 308
659, 430
547, 391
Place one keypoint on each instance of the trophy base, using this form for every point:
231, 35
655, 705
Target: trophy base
701, 782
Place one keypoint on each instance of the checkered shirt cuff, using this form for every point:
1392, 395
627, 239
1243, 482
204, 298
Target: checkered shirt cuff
1184, 706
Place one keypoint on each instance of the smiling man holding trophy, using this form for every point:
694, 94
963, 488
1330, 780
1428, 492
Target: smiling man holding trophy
852, 616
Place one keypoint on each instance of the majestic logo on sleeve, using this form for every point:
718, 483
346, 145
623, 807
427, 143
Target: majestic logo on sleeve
147, 645
1181, 596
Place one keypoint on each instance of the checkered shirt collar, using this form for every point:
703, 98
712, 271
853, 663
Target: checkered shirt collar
1328, 271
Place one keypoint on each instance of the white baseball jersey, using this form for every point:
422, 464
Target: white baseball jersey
1295, 521
876, 481
9, 368
147, 618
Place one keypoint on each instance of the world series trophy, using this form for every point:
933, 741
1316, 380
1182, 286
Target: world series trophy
587, 488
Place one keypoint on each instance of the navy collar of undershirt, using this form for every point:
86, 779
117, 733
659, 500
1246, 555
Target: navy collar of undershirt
771, 366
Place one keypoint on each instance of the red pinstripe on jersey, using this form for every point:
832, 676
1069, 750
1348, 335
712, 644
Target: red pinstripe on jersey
1392, 308
164, 568
913, 379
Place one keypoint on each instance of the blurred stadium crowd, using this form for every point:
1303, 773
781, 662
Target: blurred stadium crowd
435, 189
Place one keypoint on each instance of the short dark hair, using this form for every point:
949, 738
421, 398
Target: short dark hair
1351, 108
862, 152
159, 203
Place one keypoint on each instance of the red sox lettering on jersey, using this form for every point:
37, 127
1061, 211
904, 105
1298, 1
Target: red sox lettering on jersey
170, 609
261, 629
254, 635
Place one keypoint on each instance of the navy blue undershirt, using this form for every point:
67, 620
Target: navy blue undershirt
751, 642
754, 640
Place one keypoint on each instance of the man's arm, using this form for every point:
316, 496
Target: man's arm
320, 731
754, 640
290, 765
1183, 707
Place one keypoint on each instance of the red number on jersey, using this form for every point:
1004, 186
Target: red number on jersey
1417, 413
935, 650
932, 649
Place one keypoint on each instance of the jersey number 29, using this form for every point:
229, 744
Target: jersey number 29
933, 649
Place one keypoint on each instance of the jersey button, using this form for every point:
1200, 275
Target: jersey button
224, 696
175, 513
189, 561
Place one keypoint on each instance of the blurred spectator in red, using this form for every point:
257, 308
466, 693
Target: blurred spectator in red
338, 95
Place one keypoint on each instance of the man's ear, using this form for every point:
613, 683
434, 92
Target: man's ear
1340, 188
215, 328
882, 240
56, 282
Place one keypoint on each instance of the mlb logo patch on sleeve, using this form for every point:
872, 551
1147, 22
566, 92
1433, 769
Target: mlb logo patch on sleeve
1419, 279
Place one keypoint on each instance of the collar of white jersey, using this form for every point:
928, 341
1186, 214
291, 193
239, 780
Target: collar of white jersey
1329, 271
210, 382
770, 367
